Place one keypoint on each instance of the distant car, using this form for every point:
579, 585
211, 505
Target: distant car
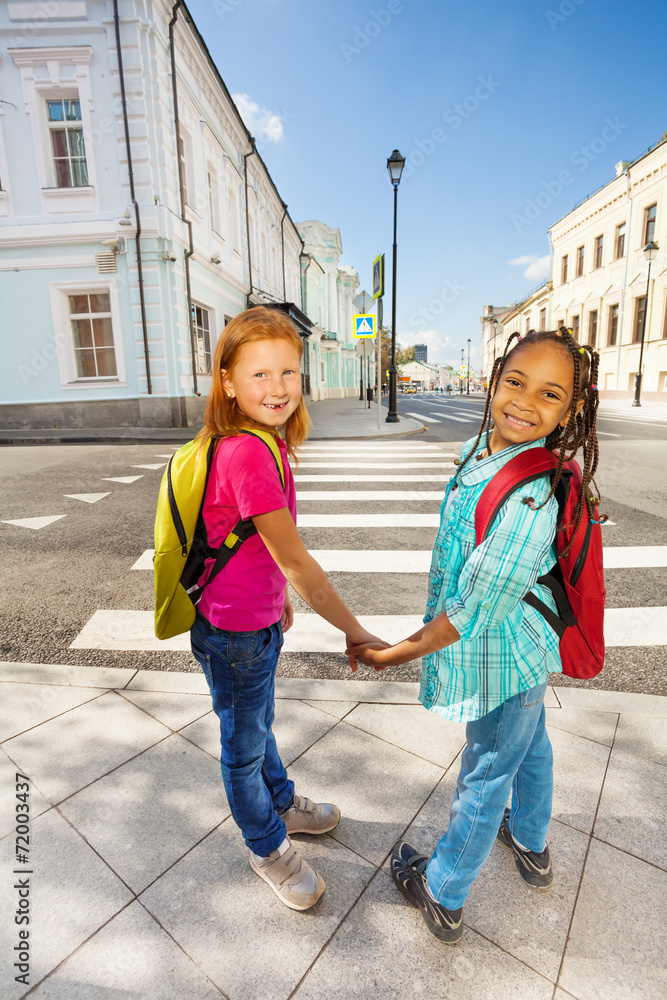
409, 388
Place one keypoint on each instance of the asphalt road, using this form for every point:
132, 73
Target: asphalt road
55, 578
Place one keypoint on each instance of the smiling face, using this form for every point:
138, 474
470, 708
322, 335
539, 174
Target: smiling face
265, 381
533, 396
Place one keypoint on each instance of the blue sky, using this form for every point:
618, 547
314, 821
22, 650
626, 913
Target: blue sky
516, 92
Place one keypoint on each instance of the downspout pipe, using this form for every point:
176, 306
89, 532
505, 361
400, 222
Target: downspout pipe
187, 254
135, 203
247, 211
621, 319
282, 246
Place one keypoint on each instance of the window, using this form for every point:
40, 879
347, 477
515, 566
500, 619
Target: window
559, 323
213, 202
67, 145
662, 381
232, 204
620, 241
632, 380
563, 270
599, 242
227, 320
527, 324
592, 327
200, 322
575, 327
649, 223
580, 261
640, 314
543, 319
613, 326
323, 372
92, 334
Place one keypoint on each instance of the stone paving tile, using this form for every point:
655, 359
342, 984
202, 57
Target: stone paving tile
169, 680
22, 708
73, 893
132, 957
173, 710
59, 673
378, 787
531, 926
236, 929
597, 726
385, 950
618, 939
395, 692
579, 768
295, 728
591, 700
96, 736
339, 709
147, 813
412, 728
642, 735
37, 803
633, 808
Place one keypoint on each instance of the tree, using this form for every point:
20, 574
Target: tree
403, 354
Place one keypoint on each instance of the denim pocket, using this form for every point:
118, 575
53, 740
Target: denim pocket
533, 696
242, 645
203, 659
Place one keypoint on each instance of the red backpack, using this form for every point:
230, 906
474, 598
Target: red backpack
577, 580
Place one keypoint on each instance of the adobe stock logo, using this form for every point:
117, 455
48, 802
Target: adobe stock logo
581, 158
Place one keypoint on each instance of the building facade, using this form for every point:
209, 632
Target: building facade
599, 281
421, 353
329, 292
136, 218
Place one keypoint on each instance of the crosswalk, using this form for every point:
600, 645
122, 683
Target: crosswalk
369, 530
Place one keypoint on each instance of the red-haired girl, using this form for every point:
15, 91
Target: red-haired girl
243, 612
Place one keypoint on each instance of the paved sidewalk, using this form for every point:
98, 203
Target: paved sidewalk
332, 418
140, 884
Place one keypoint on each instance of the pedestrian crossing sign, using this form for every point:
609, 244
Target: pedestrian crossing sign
364, 325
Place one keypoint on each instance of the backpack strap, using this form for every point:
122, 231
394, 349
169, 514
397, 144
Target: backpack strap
244, 528
519, 471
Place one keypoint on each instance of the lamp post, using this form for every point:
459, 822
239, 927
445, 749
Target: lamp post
395, 165
650, 251
468, 372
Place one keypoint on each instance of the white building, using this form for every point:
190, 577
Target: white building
330, 290
598, 283
121, 261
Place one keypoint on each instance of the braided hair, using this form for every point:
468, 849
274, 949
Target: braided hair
580, 430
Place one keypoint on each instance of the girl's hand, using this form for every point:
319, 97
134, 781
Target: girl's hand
361, 640
380, 657
287, 618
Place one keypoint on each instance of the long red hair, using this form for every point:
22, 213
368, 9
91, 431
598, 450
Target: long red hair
222, 416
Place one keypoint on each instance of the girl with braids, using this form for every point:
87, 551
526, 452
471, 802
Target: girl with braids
487, 654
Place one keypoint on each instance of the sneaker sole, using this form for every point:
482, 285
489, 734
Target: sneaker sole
286, 902
531, 885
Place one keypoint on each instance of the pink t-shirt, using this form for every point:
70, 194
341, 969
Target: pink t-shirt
248, 594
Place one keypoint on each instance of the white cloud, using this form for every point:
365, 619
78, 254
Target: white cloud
265, 125
438, 344
536, 268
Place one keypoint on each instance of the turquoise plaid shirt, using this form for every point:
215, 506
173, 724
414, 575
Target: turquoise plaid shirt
506, 646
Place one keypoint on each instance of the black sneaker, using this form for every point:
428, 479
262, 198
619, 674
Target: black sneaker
407, 868
534, 869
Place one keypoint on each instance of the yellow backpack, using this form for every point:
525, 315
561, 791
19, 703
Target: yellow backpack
181, 542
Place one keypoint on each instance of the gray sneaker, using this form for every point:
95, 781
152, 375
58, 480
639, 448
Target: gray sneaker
290, 876
306, 816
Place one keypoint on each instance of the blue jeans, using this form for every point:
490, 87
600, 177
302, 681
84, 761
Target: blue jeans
240, 668
507, 749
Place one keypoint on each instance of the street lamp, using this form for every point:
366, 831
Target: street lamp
395, 165
463, 361
468, 372
650, 252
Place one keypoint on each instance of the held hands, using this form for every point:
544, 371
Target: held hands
360, 643
379, 656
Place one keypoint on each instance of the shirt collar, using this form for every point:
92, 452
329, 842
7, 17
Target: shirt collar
480, 471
